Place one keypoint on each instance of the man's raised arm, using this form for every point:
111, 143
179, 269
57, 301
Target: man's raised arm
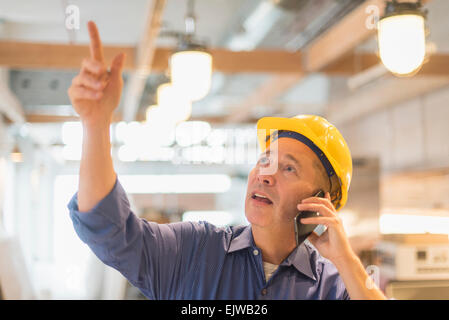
95, 93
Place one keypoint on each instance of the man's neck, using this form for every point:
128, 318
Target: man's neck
276, 244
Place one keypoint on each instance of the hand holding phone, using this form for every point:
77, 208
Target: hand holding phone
302, 231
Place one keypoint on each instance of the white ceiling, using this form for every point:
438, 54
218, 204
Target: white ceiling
119, 21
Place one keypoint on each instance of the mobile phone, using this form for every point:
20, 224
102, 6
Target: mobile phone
302, 231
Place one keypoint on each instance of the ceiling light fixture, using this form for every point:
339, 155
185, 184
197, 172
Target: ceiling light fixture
191, 64
402, 37
191, 71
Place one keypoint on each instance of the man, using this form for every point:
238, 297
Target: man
188, 260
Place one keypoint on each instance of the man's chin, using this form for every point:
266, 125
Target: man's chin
259, 217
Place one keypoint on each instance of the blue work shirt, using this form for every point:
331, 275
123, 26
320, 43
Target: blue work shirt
197, 260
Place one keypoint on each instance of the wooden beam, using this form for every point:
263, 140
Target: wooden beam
437, 65
144, 60
45, 118
383, 93
353, 63
22, 55
257, 61
264, 61
38, 118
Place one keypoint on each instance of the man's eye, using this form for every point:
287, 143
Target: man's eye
289, 168
264, 161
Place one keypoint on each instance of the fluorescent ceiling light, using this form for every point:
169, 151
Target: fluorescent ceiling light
218, 218
403, 223
176, 183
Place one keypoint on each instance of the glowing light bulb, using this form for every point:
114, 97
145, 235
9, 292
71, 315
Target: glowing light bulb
402, 43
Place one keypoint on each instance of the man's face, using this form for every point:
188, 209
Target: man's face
293, 180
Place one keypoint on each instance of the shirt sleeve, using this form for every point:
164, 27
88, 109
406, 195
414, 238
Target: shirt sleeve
153, 257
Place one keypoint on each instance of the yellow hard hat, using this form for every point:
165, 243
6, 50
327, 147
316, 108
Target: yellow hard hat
319, 135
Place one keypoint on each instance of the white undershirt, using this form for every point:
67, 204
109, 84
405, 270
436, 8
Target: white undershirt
269, 268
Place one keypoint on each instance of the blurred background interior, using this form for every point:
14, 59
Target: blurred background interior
269, 58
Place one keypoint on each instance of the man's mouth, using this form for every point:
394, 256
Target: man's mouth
260, 198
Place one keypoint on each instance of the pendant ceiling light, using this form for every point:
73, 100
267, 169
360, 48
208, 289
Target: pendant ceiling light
402, 37
191, 64
191, 72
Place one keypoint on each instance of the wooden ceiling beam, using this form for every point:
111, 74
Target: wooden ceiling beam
354, 63
27, 55
46, 118
22, 55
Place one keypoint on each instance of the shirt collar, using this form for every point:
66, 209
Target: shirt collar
299, 257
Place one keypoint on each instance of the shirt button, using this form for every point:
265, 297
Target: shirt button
256, 252
264, 291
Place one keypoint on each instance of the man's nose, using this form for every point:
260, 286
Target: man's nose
265, 179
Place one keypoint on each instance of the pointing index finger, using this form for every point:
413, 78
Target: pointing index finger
96, 48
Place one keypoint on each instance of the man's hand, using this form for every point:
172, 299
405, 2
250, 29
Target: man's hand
95, 92
333, 244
